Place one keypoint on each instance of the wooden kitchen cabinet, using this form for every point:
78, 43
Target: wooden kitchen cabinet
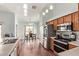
72, 46
70, 18
55, 24
60, 20
51, 22
75, 21
67, 18
52, 43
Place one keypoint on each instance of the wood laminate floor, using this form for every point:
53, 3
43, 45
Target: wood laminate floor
33, 48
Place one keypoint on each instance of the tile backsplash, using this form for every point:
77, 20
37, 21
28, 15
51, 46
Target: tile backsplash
69, 32
77, 35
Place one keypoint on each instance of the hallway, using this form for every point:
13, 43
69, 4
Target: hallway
34, 48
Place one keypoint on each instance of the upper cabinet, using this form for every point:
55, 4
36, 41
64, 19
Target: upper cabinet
60, 20
75, 21
70, 18
51, 22
55, 24
67, 18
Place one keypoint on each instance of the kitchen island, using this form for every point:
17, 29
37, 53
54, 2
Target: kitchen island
5, 49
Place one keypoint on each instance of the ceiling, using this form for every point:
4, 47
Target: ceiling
17, 8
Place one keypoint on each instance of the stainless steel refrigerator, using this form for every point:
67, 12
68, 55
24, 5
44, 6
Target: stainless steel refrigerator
48, 32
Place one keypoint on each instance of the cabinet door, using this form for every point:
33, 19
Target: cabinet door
60, 20
55, 24
72, 46
51, 44
51, 22
75, 21
67, 18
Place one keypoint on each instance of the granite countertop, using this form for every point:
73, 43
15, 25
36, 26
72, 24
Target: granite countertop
74, 43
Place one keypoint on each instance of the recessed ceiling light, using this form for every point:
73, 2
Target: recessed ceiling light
46, 10
25, 14
25, 11
25, 6
43, 13
51, 7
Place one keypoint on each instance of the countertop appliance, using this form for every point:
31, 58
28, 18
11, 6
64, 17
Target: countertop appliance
65, 27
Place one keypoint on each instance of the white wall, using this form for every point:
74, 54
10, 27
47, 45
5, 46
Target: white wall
20, 31
7, 19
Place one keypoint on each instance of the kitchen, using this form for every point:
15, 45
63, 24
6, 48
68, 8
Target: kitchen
62, 34
58, 26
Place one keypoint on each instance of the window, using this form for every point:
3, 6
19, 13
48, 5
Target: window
29, 28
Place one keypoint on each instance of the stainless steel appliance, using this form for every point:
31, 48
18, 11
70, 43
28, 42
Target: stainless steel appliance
48, 32
65, 27
61, 45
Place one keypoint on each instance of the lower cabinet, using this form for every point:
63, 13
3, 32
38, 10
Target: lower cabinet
51, 44
72, 46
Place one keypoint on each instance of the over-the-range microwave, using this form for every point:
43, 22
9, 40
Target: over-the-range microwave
65, 27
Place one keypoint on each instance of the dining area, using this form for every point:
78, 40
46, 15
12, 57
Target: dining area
30, 36
30, 32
